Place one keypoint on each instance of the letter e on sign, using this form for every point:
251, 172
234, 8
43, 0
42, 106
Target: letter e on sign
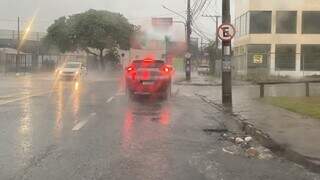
226, 32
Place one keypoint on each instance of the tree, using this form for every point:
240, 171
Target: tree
213, 55
96, 32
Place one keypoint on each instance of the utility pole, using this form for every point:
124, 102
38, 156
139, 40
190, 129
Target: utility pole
216, 43
202, 51
189, 31
217, 38
18, 46
226, 58
166, 40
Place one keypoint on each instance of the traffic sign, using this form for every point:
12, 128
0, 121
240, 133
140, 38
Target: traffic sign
226, 32
188, 55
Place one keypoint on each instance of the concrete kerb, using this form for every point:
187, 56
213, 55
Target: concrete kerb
266, 140
186, 83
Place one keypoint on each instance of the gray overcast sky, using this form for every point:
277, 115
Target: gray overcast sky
137, 11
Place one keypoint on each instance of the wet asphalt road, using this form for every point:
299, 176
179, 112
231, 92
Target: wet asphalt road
90, 130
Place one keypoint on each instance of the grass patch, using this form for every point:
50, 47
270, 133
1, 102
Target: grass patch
309, 106
178, 64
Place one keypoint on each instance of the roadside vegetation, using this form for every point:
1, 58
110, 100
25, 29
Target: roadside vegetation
309, 106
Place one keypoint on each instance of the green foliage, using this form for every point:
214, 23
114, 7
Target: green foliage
91, 30
213, 55
58, 35
211, 50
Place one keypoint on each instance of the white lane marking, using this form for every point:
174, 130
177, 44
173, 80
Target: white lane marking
80, 125
24, 98
110, 99
120, 93
186, 94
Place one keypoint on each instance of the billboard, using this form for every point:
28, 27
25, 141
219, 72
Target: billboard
163, 23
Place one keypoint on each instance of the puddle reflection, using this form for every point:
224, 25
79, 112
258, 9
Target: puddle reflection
145, 131
140, 116
68, 96
25, 128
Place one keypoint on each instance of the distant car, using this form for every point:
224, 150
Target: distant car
149, 77
71, 71
203, 70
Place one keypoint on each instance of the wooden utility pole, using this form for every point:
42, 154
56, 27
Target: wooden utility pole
189, 31
226, 58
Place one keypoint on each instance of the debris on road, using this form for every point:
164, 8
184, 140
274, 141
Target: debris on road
265, 154
245, 146
252, 152
233, 150
248, 139
239, 140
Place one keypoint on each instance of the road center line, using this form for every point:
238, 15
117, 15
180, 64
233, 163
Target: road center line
80, 124
110, 99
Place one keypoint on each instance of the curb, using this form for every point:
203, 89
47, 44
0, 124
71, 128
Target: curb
280, 149
313, 164
195, 84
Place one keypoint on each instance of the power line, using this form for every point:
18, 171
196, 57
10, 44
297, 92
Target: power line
200, 32
200, 9
195, 6
175, 12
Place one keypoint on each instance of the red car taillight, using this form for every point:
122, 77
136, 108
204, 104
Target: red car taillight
166, 69
131, 71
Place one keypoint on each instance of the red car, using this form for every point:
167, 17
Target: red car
148, 77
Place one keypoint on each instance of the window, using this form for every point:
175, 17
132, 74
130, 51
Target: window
285, 57
310, 57
260, 22
237, 27
286, 22
258, 55
243, 25
310, 22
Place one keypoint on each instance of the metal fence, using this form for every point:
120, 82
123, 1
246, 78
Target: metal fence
11, 63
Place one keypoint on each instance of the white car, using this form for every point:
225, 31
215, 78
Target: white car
71, 71
203, 70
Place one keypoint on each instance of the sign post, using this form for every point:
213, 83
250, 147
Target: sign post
226, 33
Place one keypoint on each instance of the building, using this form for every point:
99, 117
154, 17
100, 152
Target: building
277, 37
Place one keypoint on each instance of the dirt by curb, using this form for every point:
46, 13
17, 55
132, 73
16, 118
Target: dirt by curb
311, 163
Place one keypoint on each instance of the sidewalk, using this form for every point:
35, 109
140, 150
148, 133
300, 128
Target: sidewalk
294, 135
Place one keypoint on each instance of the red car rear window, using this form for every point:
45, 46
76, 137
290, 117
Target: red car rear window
148, 64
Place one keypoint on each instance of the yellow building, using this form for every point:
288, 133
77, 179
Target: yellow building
277, 37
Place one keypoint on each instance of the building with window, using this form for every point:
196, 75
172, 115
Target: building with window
277, 37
